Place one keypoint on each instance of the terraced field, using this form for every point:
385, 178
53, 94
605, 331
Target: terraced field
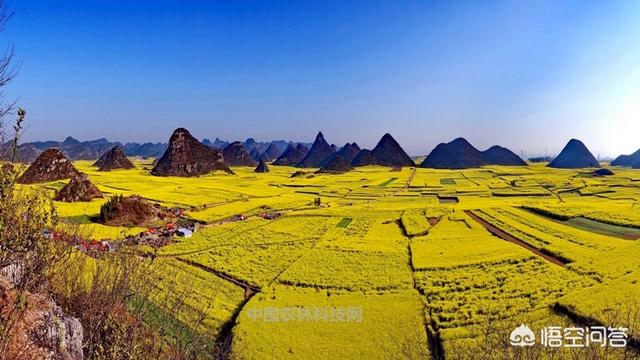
383, 268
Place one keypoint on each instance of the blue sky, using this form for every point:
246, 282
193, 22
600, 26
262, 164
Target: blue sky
527, 75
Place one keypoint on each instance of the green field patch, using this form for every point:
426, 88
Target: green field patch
344, 222
384, 184
447, 181
603, 228
591, 225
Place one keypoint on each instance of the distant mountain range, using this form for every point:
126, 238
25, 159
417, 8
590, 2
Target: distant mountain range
75, 149
458, 154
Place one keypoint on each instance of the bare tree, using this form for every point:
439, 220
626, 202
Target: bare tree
8, 71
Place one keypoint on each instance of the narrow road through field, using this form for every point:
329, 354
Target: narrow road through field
434, 341
508, 237
249, 290
560, 199
410, 179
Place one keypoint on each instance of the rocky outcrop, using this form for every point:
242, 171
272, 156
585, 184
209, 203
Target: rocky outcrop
262, 167
128, 211
186, 157
79, 188
51, 165
235, 154
575, 155
40, 330
113, 159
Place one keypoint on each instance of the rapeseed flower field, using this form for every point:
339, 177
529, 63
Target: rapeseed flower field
383, 262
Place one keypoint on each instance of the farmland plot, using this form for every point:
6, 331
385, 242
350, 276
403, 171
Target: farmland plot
204, 300
397, 250
562, 241
350, 270
470, 277
286, 322
258, 255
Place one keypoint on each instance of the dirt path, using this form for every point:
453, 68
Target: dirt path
283, 211
410, 179
508, 237
407, 184
434, 341
560, 199
249, 290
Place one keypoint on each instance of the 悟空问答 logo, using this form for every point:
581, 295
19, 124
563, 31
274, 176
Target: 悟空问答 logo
522, 336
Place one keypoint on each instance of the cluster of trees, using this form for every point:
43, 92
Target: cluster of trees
108, 209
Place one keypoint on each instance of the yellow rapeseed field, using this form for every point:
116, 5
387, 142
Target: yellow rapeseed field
399, 248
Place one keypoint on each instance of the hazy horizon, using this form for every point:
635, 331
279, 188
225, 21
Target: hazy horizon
525, 76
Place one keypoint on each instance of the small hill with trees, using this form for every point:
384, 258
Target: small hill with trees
575, 155
235, 154
113, 159
186, 156
292, 155
51, 165
79, 188
319, 151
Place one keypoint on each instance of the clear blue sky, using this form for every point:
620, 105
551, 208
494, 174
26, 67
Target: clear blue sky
525, 74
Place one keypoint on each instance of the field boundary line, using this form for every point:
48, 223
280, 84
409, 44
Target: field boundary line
508, 237
320, 239
432, 332
249, 289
